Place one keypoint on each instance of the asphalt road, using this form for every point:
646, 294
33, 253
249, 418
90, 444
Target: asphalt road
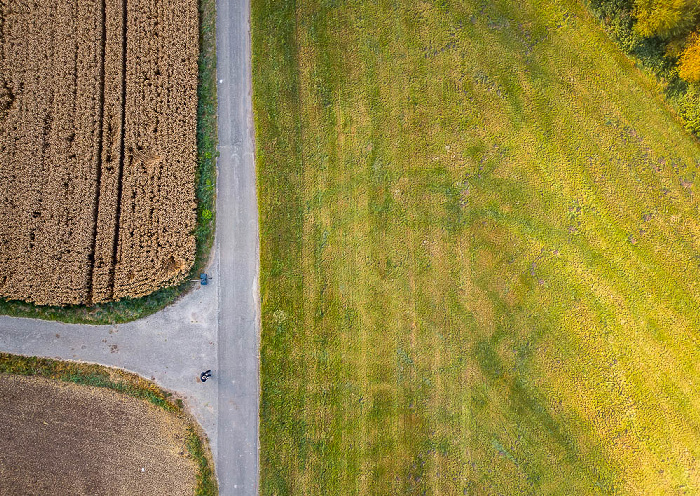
213, 327
237, 235
170, 347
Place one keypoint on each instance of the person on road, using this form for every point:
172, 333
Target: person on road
205, 375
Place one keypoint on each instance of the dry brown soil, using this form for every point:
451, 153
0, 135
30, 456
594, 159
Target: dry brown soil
60, 438
98, 113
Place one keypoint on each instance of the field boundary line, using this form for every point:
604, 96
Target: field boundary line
100, 138
120, 170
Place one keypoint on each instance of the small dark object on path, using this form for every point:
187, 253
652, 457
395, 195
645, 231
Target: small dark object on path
203, 279
205, 375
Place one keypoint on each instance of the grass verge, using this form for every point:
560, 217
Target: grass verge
122, 382
480, 264
206, 482
131, 309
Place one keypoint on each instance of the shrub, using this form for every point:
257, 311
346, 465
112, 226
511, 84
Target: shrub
689, 62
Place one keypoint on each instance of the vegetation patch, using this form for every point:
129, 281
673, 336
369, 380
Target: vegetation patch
663, 37
206, 482
479, 254
125, 383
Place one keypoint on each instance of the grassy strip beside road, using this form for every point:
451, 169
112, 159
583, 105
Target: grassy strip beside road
131, 309
122, 382
90, 375
206, 482
479, 256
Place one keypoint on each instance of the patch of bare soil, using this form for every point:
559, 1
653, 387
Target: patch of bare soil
60, 438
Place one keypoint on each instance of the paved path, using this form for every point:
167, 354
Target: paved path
214, 326
237, 234
171, 347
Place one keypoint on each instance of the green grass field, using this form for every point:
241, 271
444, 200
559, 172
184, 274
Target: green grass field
480, 254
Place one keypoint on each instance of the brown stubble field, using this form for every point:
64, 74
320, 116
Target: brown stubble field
62, 438
98, 147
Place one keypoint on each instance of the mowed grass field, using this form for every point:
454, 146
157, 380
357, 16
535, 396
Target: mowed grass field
480, 254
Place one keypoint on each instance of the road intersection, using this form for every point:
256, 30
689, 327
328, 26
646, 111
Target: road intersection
212, 327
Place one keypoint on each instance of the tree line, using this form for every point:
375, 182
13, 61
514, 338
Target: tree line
664, 35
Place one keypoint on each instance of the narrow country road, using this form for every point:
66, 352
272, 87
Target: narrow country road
237, 234
212, 327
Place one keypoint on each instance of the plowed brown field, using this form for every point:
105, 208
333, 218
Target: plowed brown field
60, 438
98, 114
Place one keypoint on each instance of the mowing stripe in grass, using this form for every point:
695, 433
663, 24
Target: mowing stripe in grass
479, 254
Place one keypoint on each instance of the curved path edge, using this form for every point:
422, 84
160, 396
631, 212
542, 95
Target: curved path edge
170, 347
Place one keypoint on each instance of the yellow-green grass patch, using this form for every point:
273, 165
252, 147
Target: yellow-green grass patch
479, 254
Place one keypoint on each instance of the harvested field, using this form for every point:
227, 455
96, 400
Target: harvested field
61, 438
98, 113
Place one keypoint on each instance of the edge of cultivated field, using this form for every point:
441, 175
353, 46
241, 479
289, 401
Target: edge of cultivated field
127, 309
126, 383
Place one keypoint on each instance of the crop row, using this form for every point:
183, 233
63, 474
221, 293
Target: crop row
98, 150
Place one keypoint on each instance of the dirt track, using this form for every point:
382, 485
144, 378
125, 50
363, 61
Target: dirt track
60, 438
98, 104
